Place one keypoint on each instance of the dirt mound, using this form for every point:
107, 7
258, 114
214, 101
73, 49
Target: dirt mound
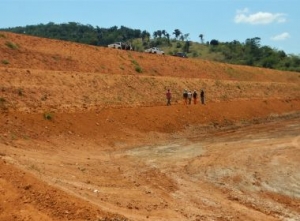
86, 135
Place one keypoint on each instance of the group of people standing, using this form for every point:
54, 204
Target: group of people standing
188, 96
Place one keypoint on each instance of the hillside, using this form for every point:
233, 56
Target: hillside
250, 52
86, 135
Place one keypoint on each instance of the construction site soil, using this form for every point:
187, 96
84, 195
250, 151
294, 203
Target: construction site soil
86, 135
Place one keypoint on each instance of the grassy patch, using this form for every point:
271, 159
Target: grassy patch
11, 45
137, 67
48, 116
5, 62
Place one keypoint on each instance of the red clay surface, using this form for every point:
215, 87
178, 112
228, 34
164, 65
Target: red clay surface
112, 150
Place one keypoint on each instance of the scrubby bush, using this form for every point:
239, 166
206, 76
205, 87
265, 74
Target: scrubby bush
11, 45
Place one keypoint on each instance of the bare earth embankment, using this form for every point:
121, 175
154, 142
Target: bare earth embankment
84, 136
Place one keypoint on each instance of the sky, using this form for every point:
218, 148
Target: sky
275, 22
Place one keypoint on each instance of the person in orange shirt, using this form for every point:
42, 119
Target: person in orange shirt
168, 96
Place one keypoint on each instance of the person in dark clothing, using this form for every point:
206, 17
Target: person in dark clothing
195, 96
185, 96
168, 96
202, 96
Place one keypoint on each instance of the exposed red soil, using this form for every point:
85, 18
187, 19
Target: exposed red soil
112, 150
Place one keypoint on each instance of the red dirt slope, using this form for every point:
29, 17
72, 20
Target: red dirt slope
111, 148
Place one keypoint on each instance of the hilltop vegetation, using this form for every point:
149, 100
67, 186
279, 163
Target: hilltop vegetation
249, 53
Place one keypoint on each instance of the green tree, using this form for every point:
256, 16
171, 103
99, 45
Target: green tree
252, 48
168, 38
186, 37
186, 47
201, 38
214, 42
177, 33
159, 33
145, 36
